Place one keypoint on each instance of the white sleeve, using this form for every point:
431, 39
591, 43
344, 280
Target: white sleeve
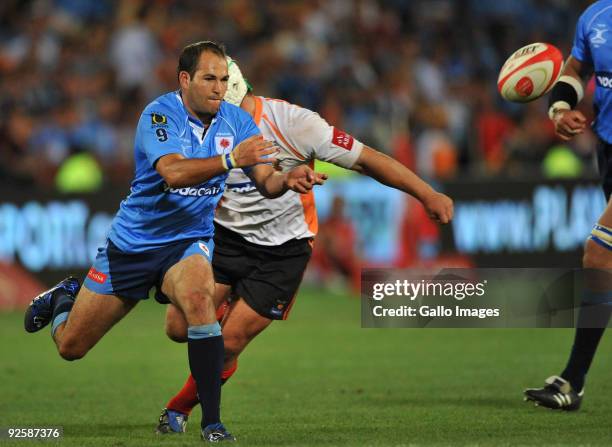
314, 138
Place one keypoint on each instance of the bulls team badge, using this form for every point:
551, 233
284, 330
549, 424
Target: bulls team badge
224, 143
204, 248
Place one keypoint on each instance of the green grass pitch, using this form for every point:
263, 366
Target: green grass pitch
316, 379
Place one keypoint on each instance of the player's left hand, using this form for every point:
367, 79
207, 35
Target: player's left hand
302, 179
439, 207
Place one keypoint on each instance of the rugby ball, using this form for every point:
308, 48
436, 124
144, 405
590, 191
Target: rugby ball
530, 72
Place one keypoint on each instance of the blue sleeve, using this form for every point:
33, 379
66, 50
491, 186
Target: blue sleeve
581, 49
247, 129
159, 134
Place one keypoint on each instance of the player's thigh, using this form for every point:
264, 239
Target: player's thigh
176, 324
189, 284
241, 325
92, 316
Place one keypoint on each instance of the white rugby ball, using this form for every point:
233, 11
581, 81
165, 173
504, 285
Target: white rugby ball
530, 72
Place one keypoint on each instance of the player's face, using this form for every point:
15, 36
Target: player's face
205, 90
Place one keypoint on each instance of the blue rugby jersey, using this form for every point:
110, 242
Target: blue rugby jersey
593, 46
153, 214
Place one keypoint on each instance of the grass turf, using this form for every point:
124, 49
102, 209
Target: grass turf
317, 379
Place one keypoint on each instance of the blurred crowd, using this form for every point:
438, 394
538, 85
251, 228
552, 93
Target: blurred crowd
416, 79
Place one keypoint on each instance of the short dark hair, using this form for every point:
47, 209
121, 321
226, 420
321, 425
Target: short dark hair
190, 55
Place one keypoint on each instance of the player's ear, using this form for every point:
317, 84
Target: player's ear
184, 79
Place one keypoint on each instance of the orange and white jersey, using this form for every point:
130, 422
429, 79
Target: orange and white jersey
303, 137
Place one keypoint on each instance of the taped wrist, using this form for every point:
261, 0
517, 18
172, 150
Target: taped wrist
228, 160
565, 95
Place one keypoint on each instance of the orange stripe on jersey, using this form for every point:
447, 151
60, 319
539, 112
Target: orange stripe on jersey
310, 211
277, 100
280, 136
258, 110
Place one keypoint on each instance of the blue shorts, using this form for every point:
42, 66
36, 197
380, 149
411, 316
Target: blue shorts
132, 275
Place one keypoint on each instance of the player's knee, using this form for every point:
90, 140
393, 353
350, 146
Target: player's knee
71, 350
176, 332
234, 344
197, 300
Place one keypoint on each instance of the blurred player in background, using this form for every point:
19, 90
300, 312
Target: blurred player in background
336, 249
590, 53
262, 245
186, 142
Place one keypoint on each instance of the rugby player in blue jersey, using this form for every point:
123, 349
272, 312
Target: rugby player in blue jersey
263, 246
591, 53
162, 236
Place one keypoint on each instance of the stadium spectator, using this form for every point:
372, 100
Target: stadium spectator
366, 66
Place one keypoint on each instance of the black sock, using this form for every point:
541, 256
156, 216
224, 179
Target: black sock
62, 302
205, 347
592, 321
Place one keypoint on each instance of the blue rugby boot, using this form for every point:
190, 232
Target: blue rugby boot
40, 311
171, 421
216, 433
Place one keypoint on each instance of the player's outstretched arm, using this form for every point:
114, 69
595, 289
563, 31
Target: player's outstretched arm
565, 96
390, 172
179, 172
272, 184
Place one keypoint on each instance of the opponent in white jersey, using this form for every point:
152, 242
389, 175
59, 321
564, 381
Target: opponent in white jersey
303, 137
262, 246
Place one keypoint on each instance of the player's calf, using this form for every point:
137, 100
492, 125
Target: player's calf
190, 286
92, 316
234, 343
176, 325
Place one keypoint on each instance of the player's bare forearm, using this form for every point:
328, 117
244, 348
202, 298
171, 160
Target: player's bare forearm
390, 172
269, 182
275, 185
179, 172
564, 98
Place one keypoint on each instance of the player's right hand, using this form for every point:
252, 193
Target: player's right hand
254, 150
302, 179
569, 123
439, 207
